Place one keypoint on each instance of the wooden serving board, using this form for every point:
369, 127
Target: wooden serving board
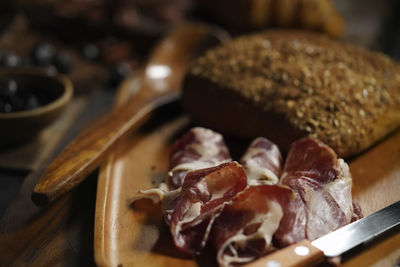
137, 236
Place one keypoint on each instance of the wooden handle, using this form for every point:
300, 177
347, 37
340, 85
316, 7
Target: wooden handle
159, 83
297, 255
87, 150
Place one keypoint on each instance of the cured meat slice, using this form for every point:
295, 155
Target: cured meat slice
202, 196
357, 213
262, 162
199, 148
238, 209
245, 227
322, 184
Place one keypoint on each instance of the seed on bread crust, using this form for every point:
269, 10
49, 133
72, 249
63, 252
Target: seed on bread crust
333, 91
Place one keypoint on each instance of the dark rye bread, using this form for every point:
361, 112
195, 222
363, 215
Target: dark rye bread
285, 85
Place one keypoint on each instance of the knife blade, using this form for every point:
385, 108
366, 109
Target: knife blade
307, 253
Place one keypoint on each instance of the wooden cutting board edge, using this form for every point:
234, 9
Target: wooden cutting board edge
126, 90
385, 253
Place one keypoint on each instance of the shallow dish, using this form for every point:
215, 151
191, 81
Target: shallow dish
18, 126
138, 237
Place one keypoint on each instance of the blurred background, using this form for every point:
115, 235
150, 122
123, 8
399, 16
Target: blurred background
98, 43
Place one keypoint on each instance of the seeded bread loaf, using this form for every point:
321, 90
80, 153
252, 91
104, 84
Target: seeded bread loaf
285, 85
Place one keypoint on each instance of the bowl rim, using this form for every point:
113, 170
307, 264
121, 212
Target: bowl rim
64, 98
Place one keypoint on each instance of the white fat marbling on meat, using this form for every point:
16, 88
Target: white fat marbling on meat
216, 194
209, 227
260, 176
318, 206
270, 223
340, 189
196, 165
155, 194
193, 212
208, 150
255, 171
259, 162
163, 186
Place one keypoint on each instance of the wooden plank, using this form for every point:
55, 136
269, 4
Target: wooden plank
57, 235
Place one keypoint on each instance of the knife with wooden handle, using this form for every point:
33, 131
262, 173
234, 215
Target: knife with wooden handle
159, 84
307, 253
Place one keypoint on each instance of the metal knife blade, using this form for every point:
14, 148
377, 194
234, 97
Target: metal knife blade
358, 232
306, 253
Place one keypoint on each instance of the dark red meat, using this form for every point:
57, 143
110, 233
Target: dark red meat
203, 195
199, 148
322, 184
262, 162
239, 209
245, 227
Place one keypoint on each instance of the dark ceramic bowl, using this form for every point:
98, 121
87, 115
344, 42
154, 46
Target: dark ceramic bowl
50, 95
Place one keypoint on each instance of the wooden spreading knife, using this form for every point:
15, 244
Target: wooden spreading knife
160, 83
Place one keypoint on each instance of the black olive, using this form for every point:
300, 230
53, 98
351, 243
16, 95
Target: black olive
43, 54
90, 51
7, 94
9, 59
7, 107
32, 102
63, 61
16, 98
8, 88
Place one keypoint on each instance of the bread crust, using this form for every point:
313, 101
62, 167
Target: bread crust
285, 85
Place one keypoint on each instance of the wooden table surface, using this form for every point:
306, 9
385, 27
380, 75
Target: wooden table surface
61, 233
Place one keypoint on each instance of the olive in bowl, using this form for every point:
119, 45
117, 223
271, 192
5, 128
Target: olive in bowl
30, 100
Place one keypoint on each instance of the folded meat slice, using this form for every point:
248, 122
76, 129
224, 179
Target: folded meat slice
322, 184
357, 212
202, 196
244, 229
262, 162
199, 148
